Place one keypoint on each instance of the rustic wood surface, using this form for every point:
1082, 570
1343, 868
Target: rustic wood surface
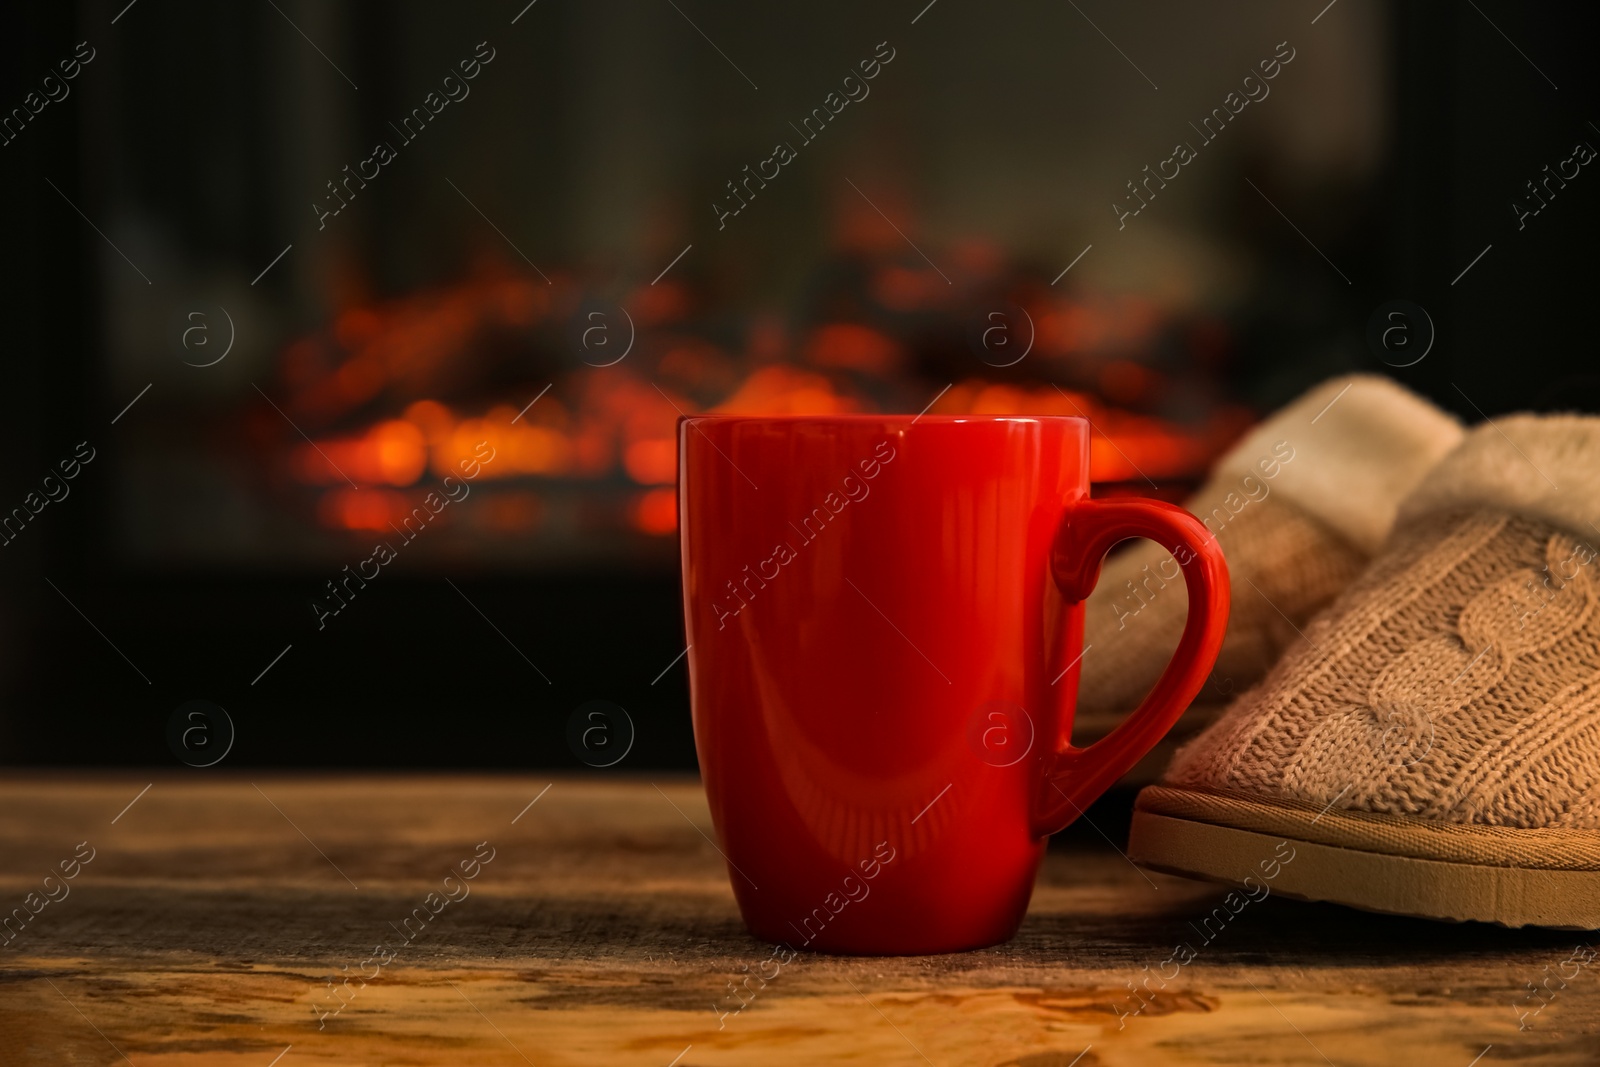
207, 925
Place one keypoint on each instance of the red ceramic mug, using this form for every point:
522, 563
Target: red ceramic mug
885, 624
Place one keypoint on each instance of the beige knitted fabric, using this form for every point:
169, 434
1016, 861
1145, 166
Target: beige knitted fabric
1458, 679
1297, 507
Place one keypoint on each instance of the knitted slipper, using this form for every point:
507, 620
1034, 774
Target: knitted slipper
1298, 507
1432, 746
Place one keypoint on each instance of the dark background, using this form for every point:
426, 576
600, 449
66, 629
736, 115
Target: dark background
175, 138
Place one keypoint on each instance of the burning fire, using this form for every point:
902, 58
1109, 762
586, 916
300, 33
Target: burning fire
384, 371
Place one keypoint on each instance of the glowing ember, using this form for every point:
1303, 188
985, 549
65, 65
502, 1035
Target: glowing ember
461, 363
656, 512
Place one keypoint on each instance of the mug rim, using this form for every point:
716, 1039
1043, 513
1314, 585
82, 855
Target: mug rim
867, 417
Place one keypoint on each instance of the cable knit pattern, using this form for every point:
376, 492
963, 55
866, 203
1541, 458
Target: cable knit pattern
1134, 619
1457, 681
1298, 507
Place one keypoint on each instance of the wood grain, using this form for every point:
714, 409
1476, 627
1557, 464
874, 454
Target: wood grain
603, 931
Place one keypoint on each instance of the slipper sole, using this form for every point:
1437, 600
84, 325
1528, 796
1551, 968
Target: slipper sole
1381, 863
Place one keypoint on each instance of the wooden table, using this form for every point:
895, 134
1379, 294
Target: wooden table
206, 926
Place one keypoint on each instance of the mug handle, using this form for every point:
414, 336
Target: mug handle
1072, 778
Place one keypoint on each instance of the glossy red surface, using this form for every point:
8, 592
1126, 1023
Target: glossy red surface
883, 664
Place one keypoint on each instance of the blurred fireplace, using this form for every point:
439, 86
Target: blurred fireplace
526, 274
483, 287
577, 398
